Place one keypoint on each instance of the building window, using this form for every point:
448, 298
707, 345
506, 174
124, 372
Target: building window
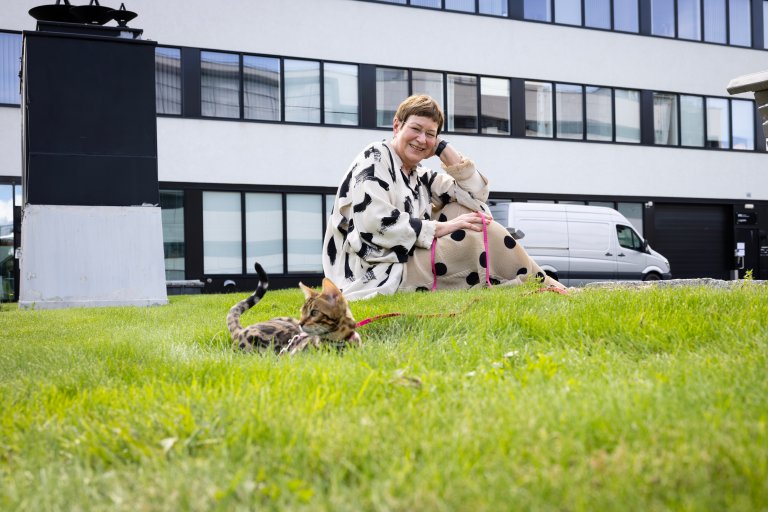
462, 103
627, 107
626, 16
538, 109
302, 91
740, 22
597, 13
6, 244
434, 4
663, 18
692, 121
714, 21
569, 111
634, 214
222, 233
765, 24
689, 19
568, 12
537, 10
599, 102
172, 212
168, 80
718, 117
743, 124
494, 7
340, 94
391, 90
264, 232
665, 118
304, 220
220, 84
10, 64
261, 88
430, 83
494, 105
460, 5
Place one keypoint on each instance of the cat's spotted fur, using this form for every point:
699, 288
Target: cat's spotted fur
325, 319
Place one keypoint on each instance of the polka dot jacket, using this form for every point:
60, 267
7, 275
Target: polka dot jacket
381, 215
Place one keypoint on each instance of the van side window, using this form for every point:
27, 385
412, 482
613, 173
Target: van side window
628, 238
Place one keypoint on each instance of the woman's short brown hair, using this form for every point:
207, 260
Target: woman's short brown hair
420, 105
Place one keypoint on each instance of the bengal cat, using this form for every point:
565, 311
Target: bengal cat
325, 320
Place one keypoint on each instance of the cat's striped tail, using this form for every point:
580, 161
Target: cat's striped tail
233, 318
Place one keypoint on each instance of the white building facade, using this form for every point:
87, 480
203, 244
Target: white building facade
263, 104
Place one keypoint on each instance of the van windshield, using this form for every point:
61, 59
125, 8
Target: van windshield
628, 238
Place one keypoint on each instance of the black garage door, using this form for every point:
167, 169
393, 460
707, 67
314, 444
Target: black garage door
695, 238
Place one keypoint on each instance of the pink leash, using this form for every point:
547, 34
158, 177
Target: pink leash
487, 256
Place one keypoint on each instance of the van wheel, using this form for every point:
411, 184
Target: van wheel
651, 276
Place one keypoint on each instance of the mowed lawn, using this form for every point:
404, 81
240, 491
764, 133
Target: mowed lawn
625, 399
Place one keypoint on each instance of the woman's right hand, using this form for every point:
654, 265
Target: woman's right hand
471, 221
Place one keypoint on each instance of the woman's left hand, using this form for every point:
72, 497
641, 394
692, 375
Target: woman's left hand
472, 221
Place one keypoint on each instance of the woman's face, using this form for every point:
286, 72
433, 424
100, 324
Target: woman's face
414, 140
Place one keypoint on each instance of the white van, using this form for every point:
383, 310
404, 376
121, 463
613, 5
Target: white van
580, 244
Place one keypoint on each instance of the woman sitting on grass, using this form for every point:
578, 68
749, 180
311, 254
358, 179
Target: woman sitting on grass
389, 210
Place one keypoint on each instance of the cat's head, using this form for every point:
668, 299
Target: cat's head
326, 314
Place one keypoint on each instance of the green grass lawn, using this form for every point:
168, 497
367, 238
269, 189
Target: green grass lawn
651, 399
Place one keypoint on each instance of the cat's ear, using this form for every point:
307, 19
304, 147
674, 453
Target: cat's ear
331, 289
308, 292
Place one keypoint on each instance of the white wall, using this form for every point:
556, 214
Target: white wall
274, 154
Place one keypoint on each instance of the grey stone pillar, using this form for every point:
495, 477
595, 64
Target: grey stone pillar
758, 84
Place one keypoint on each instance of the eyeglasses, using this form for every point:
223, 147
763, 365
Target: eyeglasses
428, 134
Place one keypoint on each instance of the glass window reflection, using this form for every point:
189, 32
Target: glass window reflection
663, 18
718, 118
538, 109
6, 243
494, 105
665, 119
743, 124
460, 5
537, 10
495, 7
689, 19
714, 21
264, 240
569, 108
168, 80
597, 13
599, 113
172, 213
302, 91
692, 121
261, 88
10, 64
568, 12
340, 94
220, 84
627, 107
626, 16
391, 89
740, 22
304, 221
461, 113
222, 235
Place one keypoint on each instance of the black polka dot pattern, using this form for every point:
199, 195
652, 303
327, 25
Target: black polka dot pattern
509, 242
483, 260
441, 269
442, 218
522, 271
473, 278
458, 235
